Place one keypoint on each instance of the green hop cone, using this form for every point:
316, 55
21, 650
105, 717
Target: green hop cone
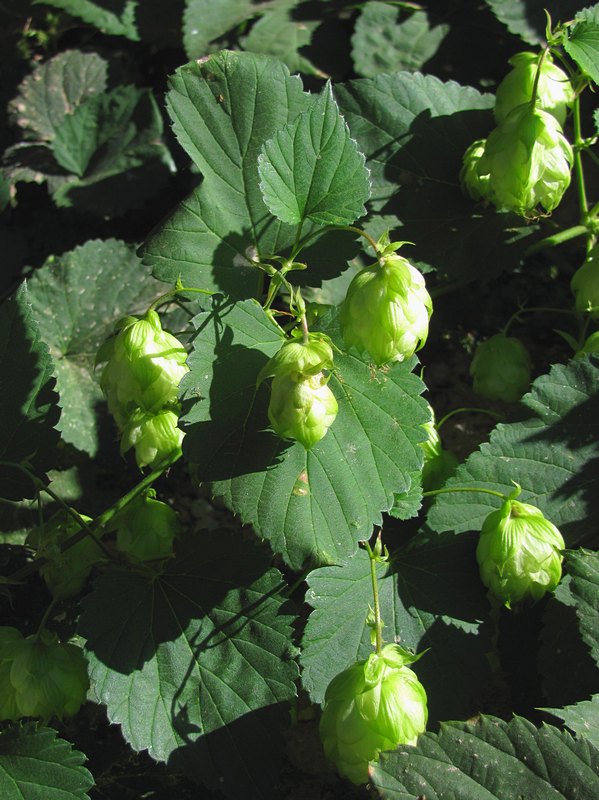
144, 367
372, 706
47, 678
156, 437
302, 406
10, 638
386, 310
519, 553
474, 184
146, 528
554, 94
439, 464
585, 285
527, 160
66, 570
501, 368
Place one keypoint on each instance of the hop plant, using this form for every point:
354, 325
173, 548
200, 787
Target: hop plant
65, 571
46, 677
386, 310
146, 528
302, 406
585, 284
519, 553
590, 347
554, 93
144, 367
373, 705
156, 437
476, 185
526, 161
501, 368
439, 464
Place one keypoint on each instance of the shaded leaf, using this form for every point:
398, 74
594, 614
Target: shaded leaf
196, 657
491, 760
582, 45
582, 718
114, 17
380, 44
87, 289
312, 169
36, 765
527, 18
75, 141
204, 21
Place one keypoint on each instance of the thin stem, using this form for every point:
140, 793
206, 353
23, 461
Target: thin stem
433, 492
46, 616
378, 624
79, 520
360, 232
556, 239
535, 86
535, 309
578, 170
167, 296
455, 411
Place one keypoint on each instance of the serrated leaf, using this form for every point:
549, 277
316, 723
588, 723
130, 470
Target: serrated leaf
76, 300
583, 580
277, 34
36, 765
552, 455
28, 408
430, 598
114, 17
313, 170
582, 718
195, 663
380, 44
527, 18
55, 89
582, 45
491, 760
223, 110
75, 141
414, 130
204, 21
328, 498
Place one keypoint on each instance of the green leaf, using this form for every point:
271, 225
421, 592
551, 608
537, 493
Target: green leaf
527, 18
55, 89
28, 408
75, 141
36, 765
328, 498
582, 718
312, 169
204, 21
278, 34
195, 663
414, 130
552, 455
87, 290
380, 44
430, 598
491, 760
114, 17
583, 586
582, 45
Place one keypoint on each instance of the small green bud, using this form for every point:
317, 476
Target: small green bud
501, 368
439, 464
302, 408
590, 346
155, 437
386, 310
47, 678
146, 528
585, 284
527, 160
519, 553
66, 570
373, 705
554, 95
475, 184
144, 367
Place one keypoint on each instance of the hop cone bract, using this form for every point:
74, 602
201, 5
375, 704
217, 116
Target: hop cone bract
373, 705
585, 284
554, 94
519, 553
501, 368
475, 184
146, 528
155, 437
386, 311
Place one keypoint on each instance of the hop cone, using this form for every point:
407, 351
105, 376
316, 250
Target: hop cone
527, 160
302, 406
501, 368
439, 464
476, 185
45, 677
585, 284
373, 705
144, 367
155, 437
386, 311
146, 528
519, 553
66, 570
555, 93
